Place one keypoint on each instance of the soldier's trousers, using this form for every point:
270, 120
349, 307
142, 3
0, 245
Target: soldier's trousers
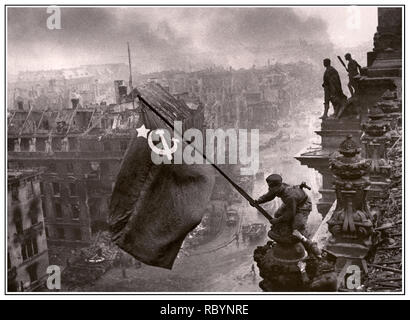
353, 84
299, 221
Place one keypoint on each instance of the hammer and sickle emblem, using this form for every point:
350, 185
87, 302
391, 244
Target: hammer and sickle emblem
167, 151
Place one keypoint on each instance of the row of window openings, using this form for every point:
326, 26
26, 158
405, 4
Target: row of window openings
75, 211
52, 167
29, 248
57, 145
94, 166
30, 190
61, 234
56, 189
18, 221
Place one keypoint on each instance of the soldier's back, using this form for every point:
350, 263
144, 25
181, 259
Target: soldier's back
294, 192
352, 67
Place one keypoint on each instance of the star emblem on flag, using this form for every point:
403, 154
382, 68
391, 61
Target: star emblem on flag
142, 132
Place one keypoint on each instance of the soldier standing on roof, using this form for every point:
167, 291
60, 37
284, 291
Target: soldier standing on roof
332, 89
353, 69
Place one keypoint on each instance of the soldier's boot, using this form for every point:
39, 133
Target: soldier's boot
310, 246
324, 116
351, 89
336, 109
302, 268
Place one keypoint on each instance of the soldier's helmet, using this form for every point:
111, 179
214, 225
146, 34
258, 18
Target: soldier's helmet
274, 180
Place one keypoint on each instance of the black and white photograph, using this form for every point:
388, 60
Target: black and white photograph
204, 149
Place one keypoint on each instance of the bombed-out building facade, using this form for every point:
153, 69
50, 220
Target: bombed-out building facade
27, 251
80, 149
91, 84
78, 167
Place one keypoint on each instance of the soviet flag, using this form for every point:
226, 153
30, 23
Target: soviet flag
153, 207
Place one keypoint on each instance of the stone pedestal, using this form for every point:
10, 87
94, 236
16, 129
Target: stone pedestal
288, 268
282, 266
282, 262
318, 159
285, 265
333, 132
377, 139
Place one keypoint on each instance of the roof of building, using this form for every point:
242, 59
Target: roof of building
164, 102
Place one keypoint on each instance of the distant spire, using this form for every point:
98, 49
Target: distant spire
130, 81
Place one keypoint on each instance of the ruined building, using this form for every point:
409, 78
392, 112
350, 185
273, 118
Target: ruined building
27, 253
245, 98
80, 164
54, 89
80, 150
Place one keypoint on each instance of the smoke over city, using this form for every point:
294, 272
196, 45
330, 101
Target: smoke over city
163, 38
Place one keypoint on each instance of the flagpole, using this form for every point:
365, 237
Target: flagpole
130, 80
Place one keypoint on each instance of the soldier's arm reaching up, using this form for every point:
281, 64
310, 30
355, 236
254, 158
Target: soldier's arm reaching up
269, 196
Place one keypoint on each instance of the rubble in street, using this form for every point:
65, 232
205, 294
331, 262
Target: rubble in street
385, 271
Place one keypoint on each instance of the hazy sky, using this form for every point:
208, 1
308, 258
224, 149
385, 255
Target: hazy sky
166, 38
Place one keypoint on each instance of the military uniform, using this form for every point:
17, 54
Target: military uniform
296, 205
294, 212
353, 69
333, 89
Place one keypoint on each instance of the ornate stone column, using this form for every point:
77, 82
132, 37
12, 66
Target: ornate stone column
376, 138
379, 134
391, 106
282, 262
351, 225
